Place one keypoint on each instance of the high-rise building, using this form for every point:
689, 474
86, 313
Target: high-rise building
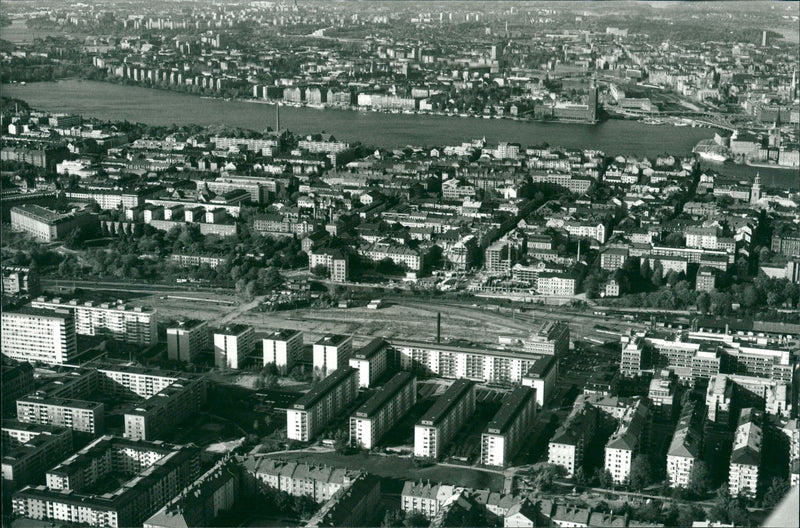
130, 324
384, 409
504, 434
232, 345
322, 403
438, 425
748, 440
371, 361
283, 348
626, 442
187, 339
36, 335
332, 352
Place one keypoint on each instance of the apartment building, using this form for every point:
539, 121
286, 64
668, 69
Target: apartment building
726, 392
613, 258
19, 280
127, 380
455, 362
29, 450
383, 410
151, 418
371, 361
187, 339
39, 336
568, 445
555, 284
401, 255
685, 446
155, 472
743, 475
626, 441
505, 432
297, 479
317, 407
335, 260
17, 381
201, 502
542, 377
630, 364
129, 324
437, 426
46, 225
331, 352
78, 415
283, 348
550, 339
425, 497
354, 505
232, 345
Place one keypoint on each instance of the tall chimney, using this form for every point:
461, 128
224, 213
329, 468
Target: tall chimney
438, 327
277, 117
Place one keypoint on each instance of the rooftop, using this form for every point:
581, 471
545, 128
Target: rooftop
446, 402
384, 394
513, 405
338, 376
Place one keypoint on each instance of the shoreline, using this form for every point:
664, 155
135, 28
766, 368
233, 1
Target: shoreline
768, 166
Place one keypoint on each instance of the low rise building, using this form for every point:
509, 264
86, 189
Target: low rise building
568, 445
685, 447
29, 450
46, 225
550, 339
298, 479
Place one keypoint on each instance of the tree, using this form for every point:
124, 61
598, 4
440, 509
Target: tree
544, 474
341, 442
580, 475
699, 479
641, 472
776, 491
703, 303
321, 271
416, 518
393, 519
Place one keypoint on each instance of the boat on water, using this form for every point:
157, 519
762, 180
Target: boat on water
712, 157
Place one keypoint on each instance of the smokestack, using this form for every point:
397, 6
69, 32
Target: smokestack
438, 327
277, 117
764, 39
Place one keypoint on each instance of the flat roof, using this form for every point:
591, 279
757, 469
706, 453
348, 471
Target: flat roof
371, 348
513, 404
60, 402
323, 387
40, 312
332, 340
232, 329
485, 351
384, 394
446, 402
283, 334
541, 367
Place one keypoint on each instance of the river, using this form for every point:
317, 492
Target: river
117, 102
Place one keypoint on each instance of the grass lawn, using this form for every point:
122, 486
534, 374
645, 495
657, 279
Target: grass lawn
394, 467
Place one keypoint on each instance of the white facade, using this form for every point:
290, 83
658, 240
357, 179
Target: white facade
283, 349
332, 352
232, 346
45, 336
436, 427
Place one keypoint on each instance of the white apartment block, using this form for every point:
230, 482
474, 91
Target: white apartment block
684, 449
626, 441
566, 448
78, 415
383, 410
456, 362
130, 324
425, 497
232, 345
318, 482
438, 425
186, 340
283, 348
743, 475
36, 335
371, 361
322, 403
332, 352
504, 434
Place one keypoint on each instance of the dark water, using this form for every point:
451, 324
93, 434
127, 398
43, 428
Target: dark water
158, 107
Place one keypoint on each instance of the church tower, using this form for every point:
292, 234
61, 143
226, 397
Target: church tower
755, 191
